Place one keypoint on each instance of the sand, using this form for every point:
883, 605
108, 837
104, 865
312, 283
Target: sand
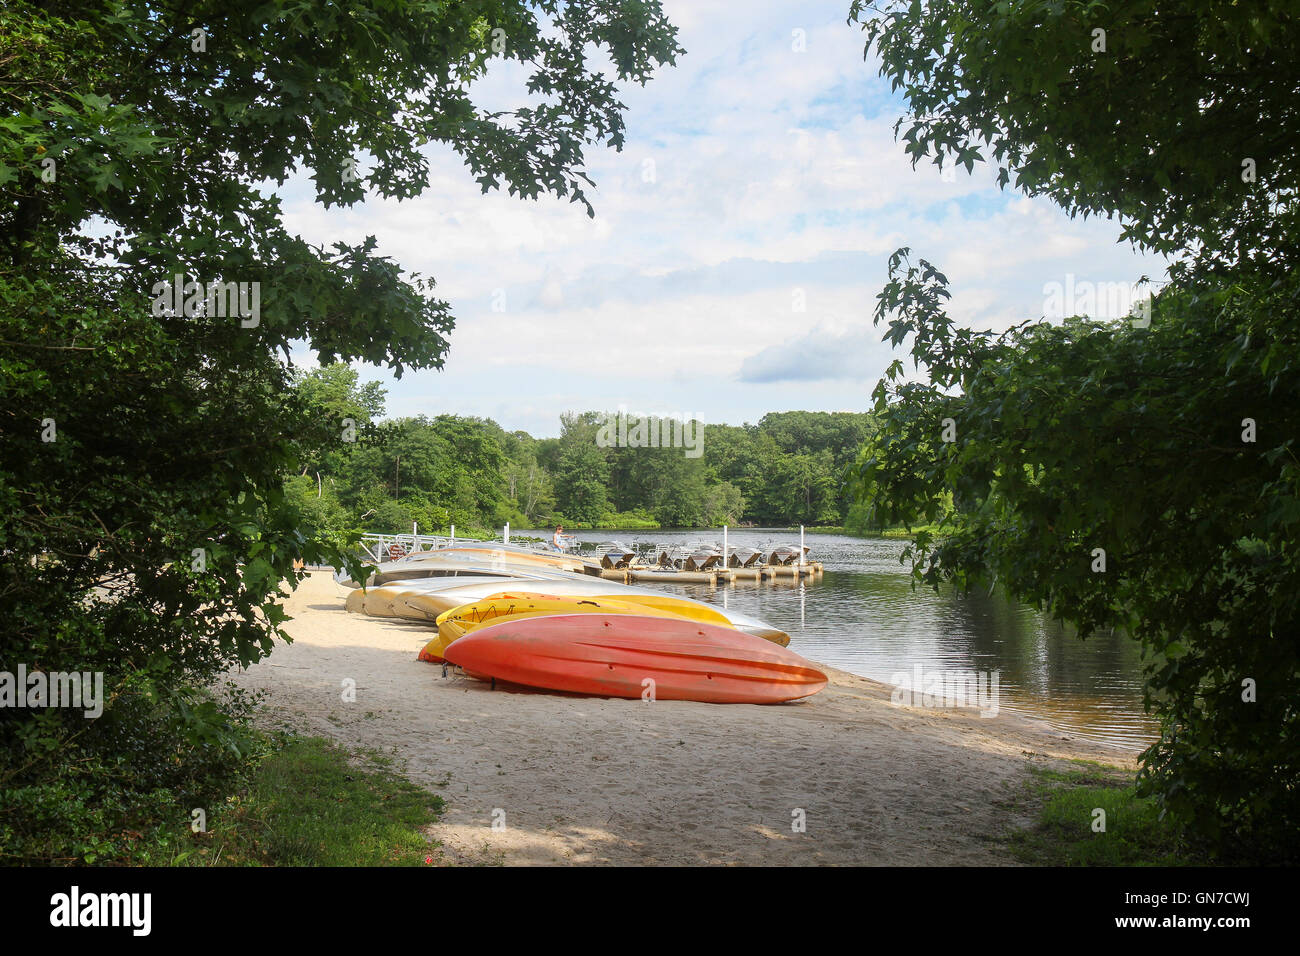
579, 780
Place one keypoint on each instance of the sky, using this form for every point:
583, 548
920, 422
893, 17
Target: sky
739, 242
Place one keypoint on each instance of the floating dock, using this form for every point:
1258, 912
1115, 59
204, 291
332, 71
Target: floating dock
696, 564
766, 572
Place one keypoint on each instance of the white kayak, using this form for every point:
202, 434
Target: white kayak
474, 557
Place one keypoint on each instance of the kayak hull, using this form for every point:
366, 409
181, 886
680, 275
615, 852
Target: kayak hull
437, 564
456, 623
634, 656
427, 598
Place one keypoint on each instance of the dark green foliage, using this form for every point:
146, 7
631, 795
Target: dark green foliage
580, 492
116, 794
1088, 436
145, 525
1172, 449
451, 469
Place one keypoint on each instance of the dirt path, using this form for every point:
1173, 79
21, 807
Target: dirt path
584, 780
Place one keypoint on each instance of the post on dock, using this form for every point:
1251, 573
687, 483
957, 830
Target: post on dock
453, 534
506, 534
802, 560
726, 562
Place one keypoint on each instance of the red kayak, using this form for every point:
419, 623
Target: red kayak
612, 655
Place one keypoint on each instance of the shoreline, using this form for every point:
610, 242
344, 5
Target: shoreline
609, 781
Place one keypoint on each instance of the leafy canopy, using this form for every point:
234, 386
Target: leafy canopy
146, 527
1121, 476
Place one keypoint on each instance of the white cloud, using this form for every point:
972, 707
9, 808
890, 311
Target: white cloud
772, 170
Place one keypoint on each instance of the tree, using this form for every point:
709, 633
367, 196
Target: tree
145, 435
333, 396
801, 490
1116, 475
580, 482
335, 393
529, 488
581, 469
723, 504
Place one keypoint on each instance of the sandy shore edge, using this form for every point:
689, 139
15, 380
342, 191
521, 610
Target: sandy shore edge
844, 777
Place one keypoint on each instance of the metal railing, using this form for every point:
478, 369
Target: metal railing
390, 547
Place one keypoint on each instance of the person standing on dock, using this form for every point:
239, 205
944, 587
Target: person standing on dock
557, 539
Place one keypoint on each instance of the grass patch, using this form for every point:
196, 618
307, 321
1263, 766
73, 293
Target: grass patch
1064, 801
895, 534
309, 803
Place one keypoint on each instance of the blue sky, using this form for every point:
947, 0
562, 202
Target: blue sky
755, 179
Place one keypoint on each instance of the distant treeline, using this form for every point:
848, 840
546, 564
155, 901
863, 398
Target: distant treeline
470, 472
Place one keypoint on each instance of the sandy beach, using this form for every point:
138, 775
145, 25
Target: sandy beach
595, 781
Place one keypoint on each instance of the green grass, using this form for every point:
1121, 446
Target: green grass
902, 534
619, 521
899, 534
1064, 802
309, 803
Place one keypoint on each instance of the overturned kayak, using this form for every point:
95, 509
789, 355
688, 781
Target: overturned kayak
376, 602
508, 603
489, 552
427, 599
385, 600
450, 562
456, 623
634, 656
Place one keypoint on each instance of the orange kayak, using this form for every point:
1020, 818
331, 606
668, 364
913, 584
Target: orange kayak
617, 655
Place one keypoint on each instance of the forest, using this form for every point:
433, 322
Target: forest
386, 475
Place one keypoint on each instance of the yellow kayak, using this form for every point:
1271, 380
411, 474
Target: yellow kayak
425, 600
680, 607
392, 600
459, 621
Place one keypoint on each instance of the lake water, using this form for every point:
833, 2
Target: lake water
863, 617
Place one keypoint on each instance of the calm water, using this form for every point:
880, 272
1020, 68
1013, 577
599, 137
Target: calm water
862, 616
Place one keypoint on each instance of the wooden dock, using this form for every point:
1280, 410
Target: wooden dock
643, 574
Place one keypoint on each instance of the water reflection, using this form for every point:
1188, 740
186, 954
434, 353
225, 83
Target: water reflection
863, 616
